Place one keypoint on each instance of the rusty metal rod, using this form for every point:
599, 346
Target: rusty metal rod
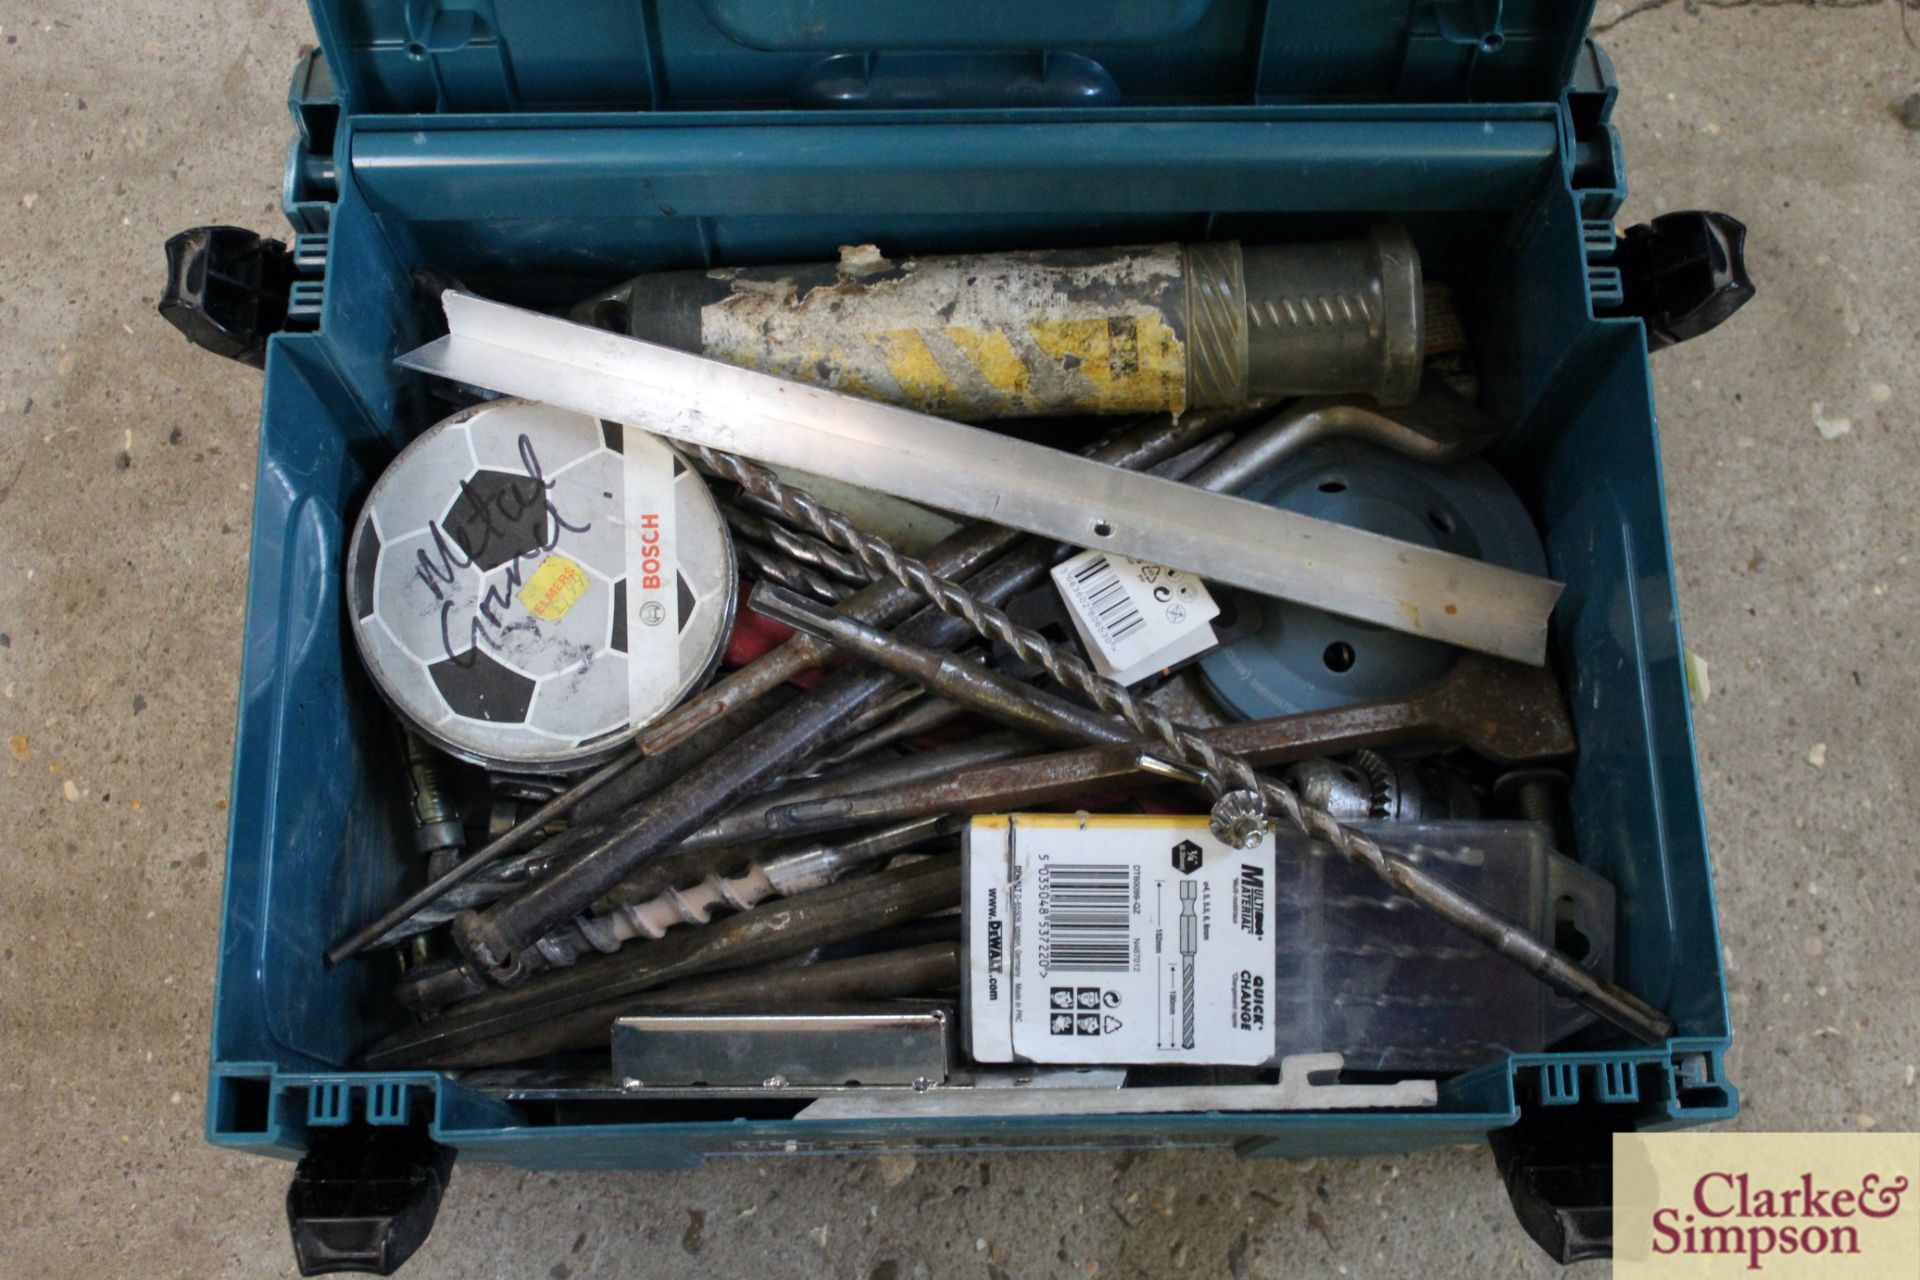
1004, 699
883, 975
926, 716
494, 940
767, 933
511, 841
747, 821
1505, 711
619, 782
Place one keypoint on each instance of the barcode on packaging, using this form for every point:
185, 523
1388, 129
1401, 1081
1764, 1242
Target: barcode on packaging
1087, 914
1116, 939
1134, 617
1110, 610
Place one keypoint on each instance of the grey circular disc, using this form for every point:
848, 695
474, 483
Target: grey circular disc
1303, 659
529, 586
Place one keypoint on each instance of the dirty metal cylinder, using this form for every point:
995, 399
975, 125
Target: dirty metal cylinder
436, 822
1147, 329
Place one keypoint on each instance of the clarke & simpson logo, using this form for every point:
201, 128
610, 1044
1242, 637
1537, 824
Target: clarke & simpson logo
1781, 1205
1727, 1215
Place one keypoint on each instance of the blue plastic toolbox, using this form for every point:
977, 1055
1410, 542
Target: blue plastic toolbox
539, 153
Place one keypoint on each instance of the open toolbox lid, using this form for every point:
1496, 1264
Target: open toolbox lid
419, 56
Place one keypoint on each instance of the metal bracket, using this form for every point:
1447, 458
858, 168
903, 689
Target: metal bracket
904, 1046
1295, 1091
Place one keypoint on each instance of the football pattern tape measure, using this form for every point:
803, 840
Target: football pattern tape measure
529, 586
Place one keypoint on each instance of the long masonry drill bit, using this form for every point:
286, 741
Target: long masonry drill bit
886, 602
1227, 773
924, 717
1502, 711
748, 820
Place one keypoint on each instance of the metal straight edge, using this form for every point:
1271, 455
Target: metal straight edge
781, 1050
1295, 1091
991, 477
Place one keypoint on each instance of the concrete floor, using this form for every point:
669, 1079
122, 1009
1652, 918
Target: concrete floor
125, 465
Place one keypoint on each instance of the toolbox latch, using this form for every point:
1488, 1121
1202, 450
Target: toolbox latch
1557, 1163
1683, 273
365, 1197
228, 290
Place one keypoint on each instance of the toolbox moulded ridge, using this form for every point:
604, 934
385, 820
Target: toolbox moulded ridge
537, 155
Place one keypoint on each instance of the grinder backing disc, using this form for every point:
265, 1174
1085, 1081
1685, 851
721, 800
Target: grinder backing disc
530, 586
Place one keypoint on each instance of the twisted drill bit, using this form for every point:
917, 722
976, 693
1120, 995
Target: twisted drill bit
1226, 774
796, 546
781, 876
772, 566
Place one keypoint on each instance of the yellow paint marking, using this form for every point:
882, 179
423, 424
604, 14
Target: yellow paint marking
994, 357
1129, 363
921, 379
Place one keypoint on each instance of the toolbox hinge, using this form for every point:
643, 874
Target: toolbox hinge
365, 1196
312, 184
1590, 147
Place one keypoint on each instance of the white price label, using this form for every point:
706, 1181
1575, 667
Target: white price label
1134, 617
1117, 939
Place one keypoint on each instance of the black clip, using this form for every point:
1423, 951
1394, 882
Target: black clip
1558, 1167
227, 290
364, 1197
1683, 273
